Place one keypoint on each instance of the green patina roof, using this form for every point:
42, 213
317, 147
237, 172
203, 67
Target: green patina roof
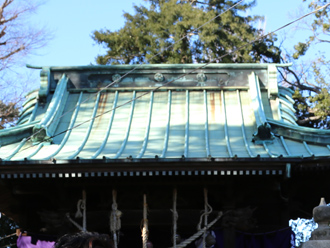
218, 111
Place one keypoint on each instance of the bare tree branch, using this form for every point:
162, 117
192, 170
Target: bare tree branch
18, 38
306, 121
297, 82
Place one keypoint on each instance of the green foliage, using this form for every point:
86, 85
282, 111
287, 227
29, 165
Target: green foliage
312, 102
311, 80
301, 49
8, 114
300, 103
179, 31
320, 27
302, 109
321, 103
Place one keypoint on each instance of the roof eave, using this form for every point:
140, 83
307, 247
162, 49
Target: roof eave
309, 135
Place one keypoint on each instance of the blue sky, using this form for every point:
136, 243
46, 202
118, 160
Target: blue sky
72, 22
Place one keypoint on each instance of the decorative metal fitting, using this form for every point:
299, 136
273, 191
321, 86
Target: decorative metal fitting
201, 77
159, 77
116, 78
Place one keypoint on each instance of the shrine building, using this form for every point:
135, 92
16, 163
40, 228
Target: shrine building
159, 150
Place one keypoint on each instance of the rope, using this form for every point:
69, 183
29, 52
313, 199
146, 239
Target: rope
83, 207
145, 236
207, 211
175, 217
8, 236
199, 233
145, 231
79, 207
74, 223
206, 208
115, 222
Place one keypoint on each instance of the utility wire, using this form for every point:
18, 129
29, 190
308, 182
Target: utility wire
185, 74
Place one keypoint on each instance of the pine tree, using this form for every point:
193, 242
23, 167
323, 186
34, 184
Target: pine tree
187, 31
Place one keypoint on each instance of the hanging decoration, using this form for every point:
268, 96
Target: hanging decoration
207, 240
115, 222
175, 218
145, 230
81, 206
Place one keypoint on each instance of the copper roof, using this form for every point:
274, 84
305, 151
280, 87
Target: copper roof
160, 111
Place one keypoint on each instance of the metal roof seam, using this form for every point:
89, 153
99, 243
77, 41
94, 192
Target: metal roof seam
14, 151
58, 112
169, 100
45, 128
287, 118
67, 131
207, 144
288, 112
243, 125
36, 150
107, 133
31, 96
88, 131
288, 105
34, 112
147, 131
256, 100
27, 109
308, 149
186, 136
225, 124
279, 113
286, 97
54, 104
24, 120
269, 152
123, 145
285, 146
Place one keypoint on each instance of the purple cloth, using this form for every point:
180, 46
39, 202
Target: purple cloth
26, 242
